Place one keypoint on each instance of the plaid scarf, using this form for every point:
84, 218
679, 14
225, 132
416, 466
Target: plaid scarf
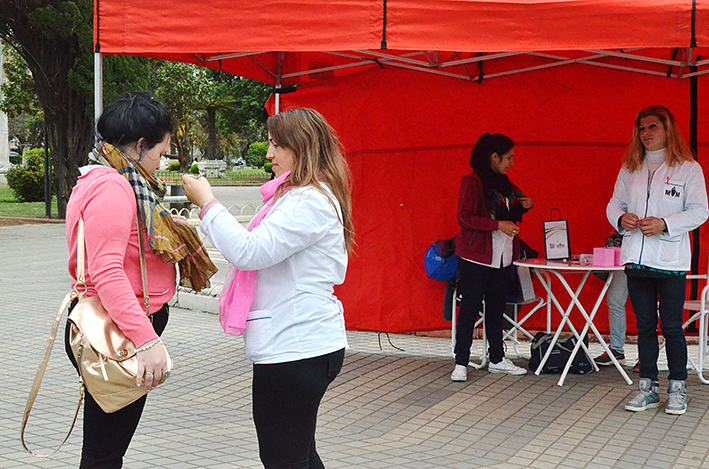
173, 242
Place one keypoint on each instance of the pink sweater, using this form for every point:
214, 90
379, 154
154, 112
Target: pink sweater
107, 204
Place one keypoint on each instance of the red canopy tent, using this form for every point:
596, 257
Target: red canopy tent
410, 85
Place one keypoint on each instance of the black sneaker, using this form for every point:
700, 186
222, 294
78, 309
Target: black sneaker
605, 359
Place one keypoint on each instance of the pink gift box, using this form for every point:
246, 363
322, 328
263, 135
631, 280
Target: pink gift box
603, 257
616, 258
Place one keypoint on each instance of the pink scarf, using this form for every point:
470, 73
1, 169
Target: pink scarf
239, 286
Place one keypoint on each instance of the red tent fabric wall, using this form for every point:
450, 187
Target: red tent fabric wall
408, 134
408, 138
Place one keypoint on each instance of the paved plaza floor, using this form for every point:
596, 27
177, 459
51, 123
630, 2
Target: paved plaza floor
387, 409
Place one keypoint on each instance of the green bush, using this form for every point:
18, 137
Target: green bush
174, 166
256, 155
194, 169
27, 181
267, 167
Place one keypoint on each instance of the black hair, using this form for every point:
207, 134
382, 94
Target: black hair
484, 148
492, 182
134, 116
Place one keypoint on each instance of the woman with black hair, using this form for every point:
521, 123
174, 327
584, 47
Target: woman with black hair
488, 208
116, 186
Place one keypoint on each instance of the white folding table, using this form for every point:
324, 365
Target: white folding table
558, 269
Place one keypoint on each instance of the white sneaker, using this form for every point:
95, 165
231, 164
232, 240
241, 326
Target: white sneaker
460, 373
506, 367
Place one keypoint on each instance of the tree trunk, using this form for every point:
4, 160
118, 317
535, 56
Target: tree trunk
212, 141
70, 141
184, 149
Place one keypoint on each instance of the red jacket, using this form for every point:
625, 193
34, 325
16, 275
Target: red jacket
474, 241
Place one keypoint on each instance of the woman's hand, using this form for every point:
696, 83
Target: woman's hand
180, 220
508, 227
152, 363
527, 202
629, 221
199, 191
650, 226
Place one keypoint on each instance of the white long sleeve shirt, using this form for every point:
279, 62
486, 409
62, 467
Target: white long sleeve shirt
676, 194
299, 251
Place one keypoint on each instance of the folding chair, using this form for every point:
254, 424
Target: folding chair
509, 334
700, 309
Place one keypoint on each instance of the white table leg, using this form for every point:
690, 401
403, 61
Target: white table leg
590, 325
546, 283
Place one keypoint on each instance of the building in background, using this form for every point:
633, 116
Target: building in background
4, 134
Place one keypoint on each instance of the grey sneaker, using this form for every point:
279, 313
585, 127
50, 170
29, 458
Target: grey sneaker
605, 359
506, 367
677, 402
647, 397
460, 373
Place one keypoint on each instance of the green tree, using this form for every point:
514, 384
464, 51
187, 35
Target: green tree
177, 85
256, 155
212, 105
27, 181
219, 112
55, 39
20, 102
245, 124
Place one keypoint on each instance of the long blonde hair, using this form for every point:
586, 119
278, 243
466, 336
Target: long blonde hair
318, 158
678, 150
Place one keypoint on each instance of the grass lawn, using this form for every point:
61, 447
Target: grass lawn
9, 207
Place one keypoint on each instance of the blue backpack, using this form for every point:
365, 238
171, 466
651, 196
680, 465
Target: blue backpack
440, 260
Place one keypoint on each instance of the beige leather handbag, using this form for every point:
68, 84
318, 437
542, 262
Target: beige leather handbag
107, 359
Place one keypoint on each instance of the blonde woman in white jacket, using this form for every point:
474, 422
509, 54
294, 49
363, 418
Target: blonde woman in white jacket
659, 197
281, 297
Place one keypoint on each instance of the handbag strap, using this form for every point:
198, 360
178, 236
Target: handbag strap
75, 293
40, 374
143, 266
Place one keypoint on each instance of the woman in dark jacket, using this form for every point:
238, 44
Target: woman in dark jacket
489, 207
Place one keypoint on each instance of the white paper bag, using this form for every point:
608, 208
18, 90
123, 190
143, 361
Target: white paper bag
556, 238
525, 283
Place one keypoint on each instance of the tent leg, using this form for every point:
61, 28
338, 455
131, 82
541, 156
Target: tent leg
279, 82
98, 85
278, 99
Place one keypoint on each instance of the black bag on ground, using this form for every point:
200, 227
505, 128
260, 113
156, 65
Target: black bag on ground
559, 355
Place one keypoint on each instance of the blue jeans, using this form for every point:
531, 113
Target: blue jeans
616, 298
644, 294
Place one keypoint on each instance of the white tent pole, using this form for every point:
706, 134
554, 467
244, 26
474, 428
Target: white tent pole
98, 85
279, 78
278, 99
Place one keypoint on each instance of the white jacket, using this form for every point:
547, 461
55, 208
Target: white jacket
677, 195
299, 251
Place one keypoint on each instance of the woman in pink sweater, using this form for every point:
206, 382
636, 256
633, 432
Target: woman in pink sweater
134, 133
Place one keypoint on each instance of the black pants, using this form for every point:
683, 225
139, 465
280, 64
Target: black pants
286, 397
107, 436
478, 282
644, 295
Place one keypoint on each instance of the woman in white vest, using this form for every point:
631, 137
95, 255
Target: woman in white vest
658, 199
